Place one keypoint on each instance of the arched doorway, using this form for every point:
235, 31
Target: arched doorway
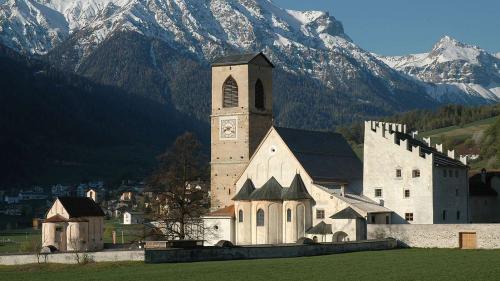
340, 236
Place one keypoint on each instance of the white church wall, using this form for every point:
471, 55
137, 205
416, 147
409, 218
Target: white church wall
243, 229
273, 159
382, 157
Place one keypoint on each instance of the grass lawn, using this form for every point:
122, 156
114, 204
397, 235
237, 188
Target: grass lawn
11, 240
457, 131
407, 264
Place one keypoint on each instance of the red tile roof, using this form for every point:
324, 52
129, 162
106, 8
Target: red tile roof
224, 212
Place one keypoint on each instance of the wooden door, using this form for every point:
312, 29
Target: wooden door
468, 240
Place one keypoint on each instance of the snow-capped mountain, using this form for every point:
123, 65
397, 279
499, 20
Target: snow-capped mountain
111, 41
453, 67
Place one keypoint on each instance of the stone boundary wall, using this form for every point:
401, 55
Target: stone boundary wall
436, 235
265, 251
69, 258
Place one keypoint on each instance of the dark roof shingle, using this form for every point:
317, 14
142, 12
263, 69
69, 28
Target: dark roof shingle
237, 59
326, 156
347, 213
297, 190
271, 190
245, 191
81, 207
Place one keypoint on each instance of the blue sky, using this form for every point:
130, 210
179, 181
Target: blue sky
397, 27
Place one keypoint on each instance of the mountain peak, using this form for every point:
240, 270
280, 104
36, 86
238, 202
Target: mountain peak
449, 49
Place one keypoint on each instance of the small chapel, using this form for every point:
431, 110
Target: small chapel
272, 185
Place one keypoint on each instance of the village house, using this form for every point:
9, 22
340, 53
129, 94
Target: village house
74, 224
131, 217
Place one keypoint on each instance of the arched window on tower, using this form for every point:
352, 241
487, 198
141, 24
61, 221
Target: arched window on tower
288, 215
260, 217
230, 93
259, 95
240, 216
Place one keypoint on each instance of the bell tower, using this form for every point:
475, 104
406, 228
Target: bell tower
241, 116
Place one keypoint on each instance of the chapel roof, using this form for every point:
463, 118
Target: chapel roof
271, 190
81, 207
297, 190
347, 213
326, 156
237, 59
321, 228
245, 191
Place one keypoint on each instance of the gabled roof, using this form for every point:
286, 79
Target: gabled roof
347, 213
297, 190
81, 207
271, 190
245, 191
321, 228
224, 212
326, 156
238, 59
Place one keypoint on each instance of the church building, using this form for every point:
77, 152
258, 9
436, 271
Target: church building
282, 184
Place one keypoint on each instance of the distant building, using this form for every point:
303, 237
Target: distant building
74, 224
131, 217
484, 190
127, 196
92, 194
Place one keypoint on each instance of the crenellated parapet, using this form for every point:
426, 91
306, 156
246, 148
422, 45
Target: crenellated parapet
398, 134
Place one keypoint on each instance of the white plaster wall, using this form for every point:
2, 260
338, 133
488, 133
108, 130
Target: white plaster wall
57, 209
437, 235
382, 156
243, 229
218, 228
280, 164
301, 216
271, 232
69, 258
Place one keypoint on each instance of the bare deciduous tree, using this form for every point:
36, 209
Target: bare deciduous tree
183, 203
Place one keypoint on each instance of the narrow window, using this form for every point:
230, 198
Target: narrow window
407, 193
240, 216
450, 173
416, 173
456, 173
288, 215
373, 218
398, 173
444, 215
260, 217
387, 219
458, 215
378, 192
230, 93
259, 95
320, 214
456, 192
409, 216
444, 173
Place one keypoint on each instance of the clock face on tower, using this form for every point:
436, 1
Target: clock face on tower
228, 128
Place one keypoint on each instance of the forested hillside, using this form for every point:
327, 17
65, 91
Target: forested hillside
59, 125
